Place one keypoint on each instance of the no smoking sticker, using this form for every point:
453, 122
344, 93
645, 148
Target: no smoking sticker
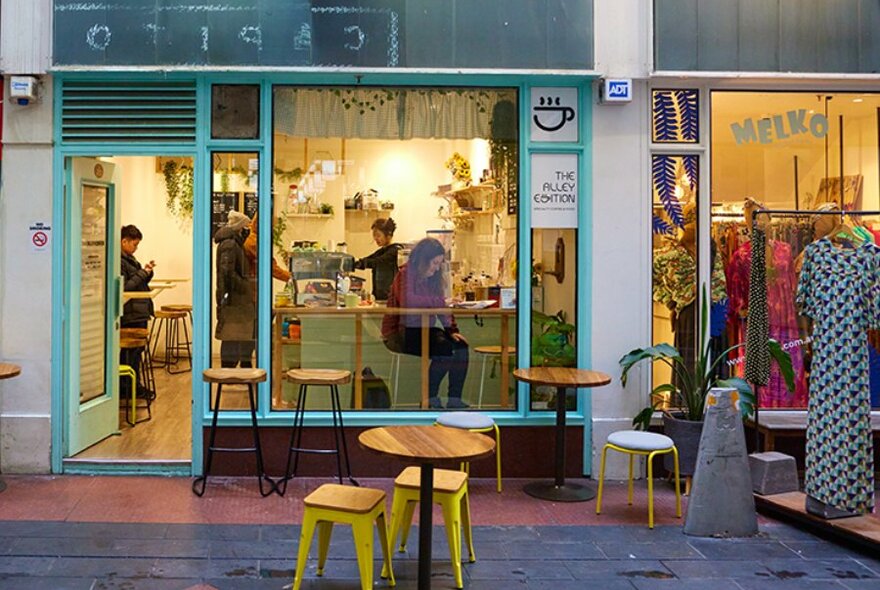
40, 233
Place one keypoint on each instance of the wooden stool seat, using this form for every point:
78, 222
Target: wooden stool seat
132, 342
333, 496
451, 492
319, 376
336, 504
445, 480
177, 307
134, 332
230, 376
234, 376
170, 315
304, 378
494, 349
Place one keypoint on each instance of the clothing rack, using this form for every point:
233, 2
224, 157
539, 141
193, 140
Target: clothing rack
793, 213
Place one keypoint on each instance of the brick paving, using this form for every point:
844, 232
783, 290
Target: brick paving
233, 539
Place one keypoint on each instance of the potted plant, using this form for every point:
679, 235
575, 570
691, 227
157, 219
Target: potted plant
683, 422
552, 346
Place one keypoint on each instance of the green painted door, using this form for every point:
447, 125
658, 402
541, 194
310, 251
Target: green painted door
93, 303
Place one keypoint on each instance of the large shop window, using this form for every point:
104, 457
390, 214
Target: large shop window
394, 241
803, 152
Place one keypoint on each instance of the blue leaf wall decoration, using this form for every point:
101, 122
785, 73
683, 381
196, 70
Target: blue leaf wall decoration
665, 116
692, 167
663, 177
658, 226
688, 107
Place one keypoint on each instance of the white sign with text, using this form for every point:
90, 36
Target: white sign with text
554, 194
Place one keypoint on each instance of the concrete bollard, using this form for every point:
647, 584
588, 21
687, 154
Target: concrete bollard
721, 502
773, 473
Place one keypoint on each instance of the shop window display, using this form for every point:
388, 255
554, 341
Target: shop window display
801, 152
361, 176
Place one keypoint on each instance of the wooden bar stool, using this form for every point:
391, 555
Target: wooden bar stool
489, 352
359, 507
175, 348
332, 379
648, 444
451, 492
186, 344
138, 345
221, 377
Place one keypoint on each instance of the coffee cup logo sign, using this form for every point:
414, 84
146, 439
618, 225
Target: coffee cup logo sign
554, 194
554, 114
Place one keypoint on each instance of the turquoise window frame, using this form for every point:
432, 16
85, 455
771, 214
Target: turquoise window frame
201, 151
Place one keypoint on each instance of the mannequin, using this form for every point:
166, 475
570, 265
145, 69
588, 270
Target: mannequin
781, 315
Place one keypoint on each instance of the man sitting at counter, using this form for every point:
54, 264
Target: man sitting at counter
384, 260
420, 285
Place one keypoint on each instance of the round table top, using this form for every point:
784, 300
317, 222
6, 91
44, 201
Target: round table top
8, 370
562, 377
427, 443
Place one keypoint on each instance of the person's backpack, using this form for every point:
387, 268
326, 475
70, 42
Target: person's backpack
376, 392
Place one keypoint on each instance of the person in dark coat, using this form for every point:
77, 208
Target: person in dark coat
236, 309
384, 260
136, 313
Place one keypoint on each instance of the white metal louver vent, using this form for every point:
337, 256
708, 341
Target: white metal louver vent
128, 111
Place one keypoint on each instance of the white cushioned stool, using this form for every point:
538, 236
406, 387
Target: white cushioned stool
475, 422
637, 442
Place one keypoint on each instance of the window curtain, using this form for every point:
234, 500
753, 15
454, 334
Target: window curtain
382, 113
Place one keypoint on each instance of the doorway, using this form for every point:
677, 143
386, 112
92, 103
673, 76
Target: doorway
129, 269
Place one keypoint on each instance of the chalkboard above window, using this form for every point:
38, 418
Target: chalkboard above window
509, 34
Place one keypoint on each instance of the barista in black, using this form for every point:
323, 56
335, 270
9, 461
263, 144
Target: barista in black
384, 260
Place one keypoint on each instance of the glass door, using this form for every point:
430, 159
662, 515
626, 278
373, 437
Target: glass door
94, 304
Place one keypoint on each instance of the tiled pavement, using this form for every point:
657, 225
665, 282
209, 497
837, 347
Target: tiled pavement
45, 543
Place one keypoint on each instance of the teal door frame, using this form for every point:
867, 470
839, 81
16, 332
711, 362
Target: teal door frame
201, 150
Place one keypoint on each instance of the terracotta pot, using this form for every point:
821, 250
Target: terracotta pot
686, 436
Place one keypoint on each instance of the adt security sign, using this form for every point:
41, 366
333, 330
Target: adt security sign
616, 91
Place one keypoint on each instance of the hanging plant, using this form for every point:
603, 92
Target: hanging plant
282, 175
179, 189
278, 229
224, 181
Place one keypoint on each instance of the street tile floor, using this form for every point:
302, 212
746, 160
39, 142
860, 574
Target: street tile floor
133, 533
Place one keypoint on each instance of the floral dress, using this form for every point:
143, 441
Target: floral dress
838, 289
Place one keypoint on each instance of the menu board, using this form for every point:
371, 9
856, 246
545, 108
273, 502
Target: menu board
250, 204
221, 204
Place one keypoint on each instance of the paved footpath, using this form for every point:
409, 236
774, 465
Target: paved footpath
96, 556
146, 533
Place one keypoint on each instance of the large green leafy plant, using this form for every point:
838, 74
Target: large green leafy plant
695, 381
551, 340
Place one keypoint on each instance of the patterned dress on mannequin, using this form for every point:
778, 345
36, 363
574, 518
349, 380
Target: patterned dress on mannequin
839, 289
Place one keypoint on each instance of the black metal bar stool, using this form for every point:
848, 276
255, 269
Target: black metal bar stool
331, 378
221, 377
175, 348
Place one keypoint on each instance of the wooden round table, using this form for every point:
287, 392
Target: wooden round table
426, 445
561, 378
8, 371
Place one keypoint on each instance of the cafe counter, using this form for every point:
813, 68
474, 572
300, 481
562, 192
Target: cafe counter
350, 338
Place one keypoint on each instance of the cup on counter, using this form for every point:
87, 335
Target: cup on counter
352, 299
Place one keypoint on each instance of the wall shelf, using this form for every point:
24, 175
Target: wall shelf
311, 215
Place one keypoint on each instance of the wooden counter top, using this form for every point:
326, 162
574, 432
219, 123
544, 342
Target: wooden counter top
380, 310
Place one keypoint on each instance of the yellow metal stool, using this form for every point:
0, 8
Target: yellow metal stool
127, 371
650, 444
450, 491
475, 422
359, 507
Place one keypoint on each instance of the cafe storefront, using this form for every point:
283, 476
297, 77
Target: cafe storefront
323, 180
